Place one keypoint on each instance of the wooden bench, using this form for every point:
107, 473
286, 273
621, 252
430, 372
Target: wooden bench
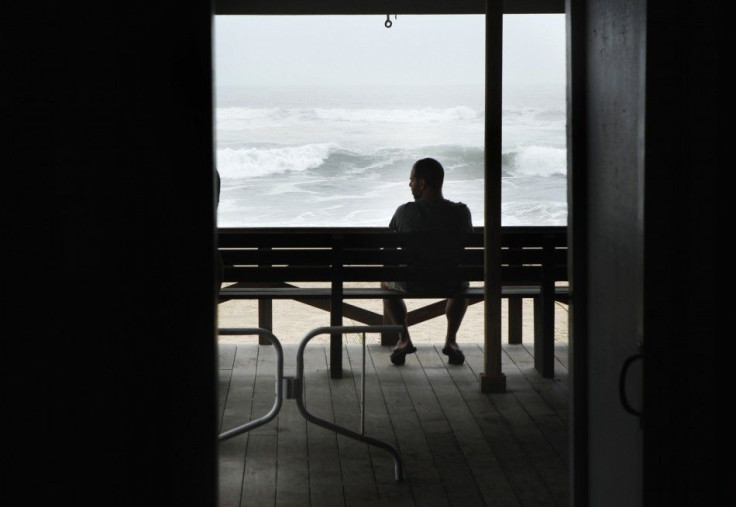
267, 264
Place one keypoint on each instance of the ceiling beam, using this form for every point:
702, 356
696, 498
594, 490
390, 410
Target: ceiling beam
382, 7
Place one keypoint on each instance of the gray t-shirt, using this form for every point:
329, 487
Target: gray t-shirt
424, 215
434, 216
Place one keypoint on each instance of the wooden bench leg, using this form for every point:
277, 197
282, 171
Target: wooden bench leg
388, 339
336, 338
515, 320
265, 319
544, 335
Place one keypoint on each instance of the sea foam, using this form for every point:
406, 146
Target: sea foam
542, 161
255, 162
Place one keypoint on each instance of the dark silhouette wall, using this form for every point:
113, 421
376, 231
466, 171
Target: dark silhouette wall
646, 230
108, 196
687, 459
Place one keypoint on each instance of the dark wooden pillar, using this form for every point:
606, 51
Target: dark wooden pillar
493, 379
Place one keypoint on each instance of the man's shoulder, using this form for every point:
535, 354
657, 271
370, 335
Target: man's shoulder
459, 208
457, 204
406, 205
461, 215
404, 209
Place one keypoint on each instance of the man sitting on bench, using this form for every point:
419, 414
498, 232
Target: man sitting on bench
430, 212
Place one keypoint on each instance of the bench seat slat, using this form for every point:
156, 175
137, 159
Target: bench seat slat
323, 256
371, 293
509, 274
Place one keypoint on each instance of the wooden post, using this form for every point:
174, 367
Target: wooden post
493, 380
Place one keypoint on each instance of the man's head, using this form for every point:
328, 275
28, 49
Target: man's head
427, 176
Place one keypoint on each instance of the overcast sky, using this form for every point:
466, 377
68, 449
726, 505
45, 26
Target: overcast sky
359, 50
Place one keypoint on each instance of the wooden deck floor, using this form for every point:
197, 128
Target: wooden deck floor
459, 446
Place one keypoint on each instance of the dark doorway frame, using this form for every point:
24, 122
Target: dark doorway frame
493, 379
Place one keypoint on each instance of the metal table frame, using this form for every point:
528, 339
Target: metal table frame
293, 387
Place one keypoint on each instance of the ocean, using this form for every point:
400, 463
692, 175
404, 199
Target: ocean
341, 156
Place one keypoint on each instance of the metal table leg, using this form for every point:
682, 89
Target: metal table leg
279, 379
398, 466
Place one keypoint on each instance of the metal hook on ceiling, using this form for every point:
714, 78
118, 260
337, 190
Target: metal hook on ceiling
388, 22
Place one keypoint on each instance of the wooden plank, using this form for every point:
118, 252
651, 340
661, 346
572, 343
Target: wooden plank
542, 400
561, 356
522, 388
550, 467
378, 425
455, 474
292, 473
355, 460
543, 455
259, 480
236, 410
226, 355
485, 469
223, 385
421, 471
554, 391
539, 396
225, 360
264, 389
325, 474
518, 467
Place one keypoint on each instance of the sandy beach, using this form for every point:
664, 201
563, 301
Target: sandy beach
291, 320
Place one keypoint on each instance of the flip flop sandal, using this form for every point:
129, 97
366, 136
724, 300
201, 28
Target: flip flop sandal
398, 356
455, 356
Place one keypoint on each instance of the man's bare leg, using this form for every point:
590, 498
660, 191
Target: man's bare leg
395, 308
454, 311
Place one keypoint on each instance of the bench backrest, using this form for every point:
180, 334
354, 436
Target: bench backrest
529, 255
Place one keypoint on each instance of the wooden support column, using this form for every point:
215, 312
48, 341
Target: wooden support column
493, 380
